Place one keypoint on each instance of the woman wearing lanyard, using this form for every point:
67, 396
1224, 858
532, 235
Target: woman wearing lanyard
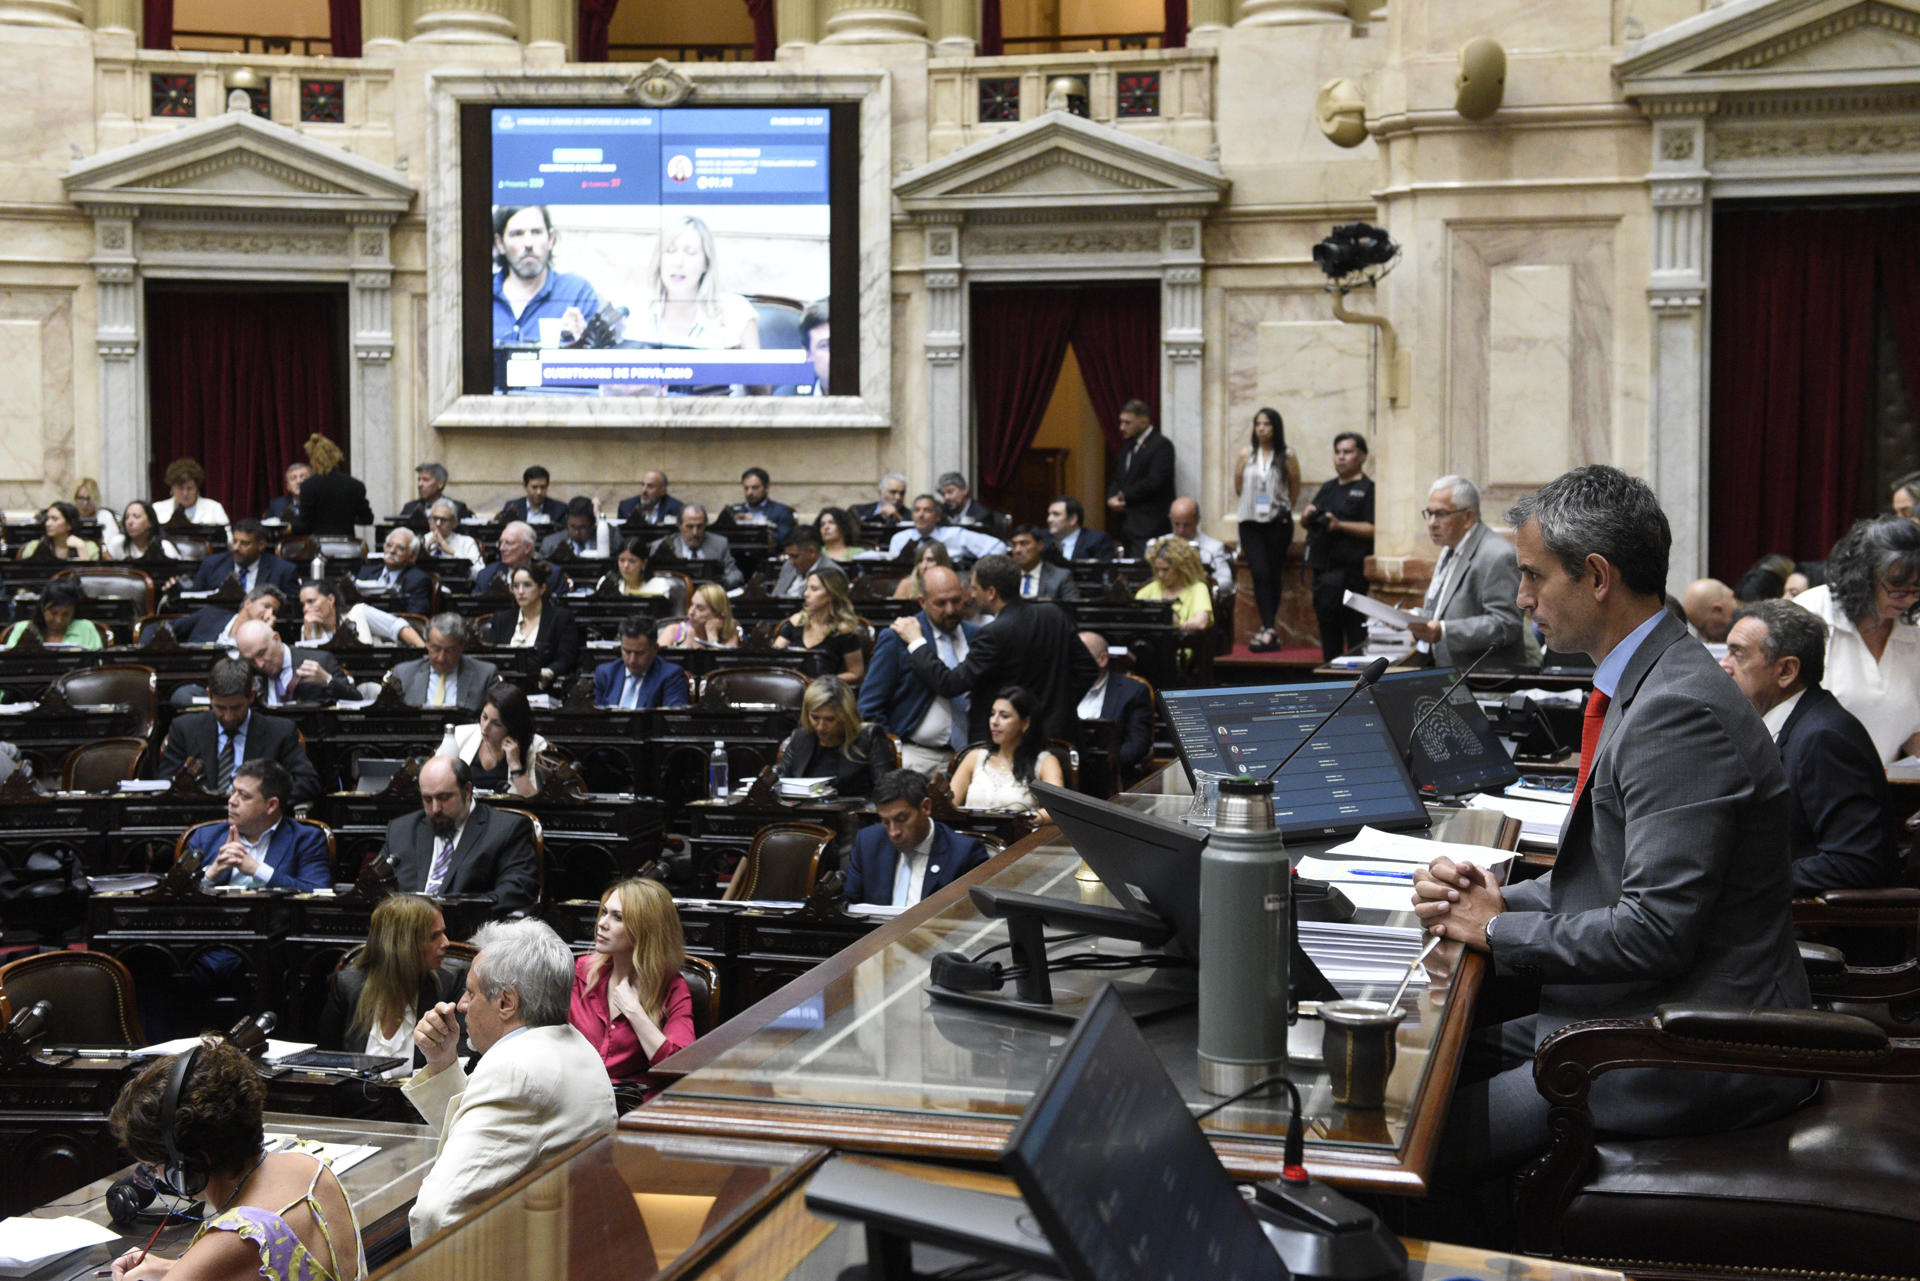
1267, 479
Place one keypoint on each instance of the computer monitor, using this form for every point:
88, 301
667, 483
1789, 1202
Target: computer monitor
1350, 776
1150, 865
1118, 1173
1454, 750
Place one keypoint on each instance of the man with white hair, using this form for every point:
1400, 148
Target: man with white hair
890, 508
1470, 607
395, 575
516, 549
539, 1088
445, 539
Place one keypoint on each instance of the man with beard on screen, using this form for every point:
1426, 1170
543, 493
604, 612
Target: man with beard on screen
526, 288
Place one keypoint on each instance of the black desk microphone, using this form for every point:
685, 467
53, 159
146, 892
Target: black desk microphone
1375, 670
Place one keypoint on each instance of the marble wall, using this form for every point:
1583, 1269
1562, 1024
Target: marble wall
37, 407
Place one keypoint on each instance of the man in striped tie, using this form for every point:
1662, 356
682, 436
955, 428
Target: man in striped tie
1673, 879
455, 845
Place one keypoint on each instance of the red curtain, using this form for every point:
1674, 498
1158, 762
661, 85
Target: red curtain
1174, 34
239, 381
1019, 340
343, 28
992, 42
763, 38
156, 26
1792, 366
596, 24
1116, 337
1900, 282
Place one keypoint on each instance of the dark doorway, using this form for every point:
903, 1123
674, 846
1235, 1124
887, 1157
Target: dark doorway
238, 377
1815, 359
1023, 337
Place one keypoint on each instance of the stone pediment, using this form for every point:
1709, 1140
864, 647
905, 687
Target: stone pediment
1775, 46
1063, 162
237, 161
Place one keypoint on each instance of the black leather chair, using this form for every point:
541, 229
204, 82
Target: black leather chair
781, 864
91, 995
754, 686
703, 985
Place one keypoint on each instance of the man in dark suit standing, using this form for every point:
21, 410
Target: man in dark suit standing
247, 560
653, 505
1142, 488
453, 845
1125, 701
1068, 537
930, 728
1776, 654
446, 679
1039, 580
1673, 882
534, 506
906, 856
639, 677
287, 673
1029, 643
261, 846
396, 576
232, 733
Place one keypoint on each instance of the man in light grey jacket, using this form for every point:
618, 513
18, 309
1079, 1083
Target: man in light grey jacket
1469, 607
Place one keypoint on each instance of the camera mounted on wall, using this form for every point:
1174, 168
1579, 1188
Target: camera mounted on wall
1355, 256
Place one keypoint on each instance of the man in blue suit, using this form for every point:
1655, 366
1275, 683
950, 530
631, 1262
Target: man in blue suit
261, 846
758, 509
250, 562
639, 677
908, 856
929, 728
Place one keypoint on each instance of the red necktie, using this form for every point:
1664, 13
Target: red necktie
1590, 736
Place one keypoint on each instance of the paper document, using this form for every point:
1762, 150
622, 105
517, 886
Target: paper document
1413, 851
340, 1157
1555, 795
1539, 820
1389, 614
276, 1050
807, 787
28, 1244
1907, 767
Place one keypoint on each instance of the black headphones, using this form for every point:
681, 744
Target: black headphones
129, 1201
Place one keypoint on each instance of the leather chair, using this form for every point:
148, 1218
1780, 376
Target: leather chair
739, 686
100, 766
180, 844
1826, 1191
113, 582
128, 683
703, 985
539, 854
91, 994
781, 864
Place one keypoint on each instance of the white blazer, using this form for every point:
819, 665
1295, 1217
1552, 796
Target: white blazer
533, 1095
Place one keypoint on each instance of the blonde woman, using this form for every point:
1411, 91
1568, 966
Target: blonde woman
831, 742
331, 501
685, 306
629, 999
1178, 576
399, 975
709, 621
929, 553
86, 500
827, 621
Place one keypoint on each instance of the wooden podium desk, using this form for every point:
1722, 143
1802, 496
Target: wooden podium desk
857, 1055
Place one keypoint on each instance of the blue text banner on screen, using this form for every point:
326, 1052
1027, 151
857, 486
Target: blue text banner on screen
567, 367
675, 156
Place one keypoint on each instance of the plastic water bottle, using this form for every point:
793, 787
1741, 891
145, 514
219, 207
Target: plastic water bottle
449, 746
717, 772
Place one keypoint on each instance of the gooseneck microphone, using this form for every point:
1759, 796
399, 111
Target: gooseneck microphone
1375, 670
1407, 754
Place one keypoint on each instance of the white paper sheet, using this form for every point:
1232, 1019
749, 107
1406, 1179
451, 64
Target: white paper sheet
27, 1244
1391, 615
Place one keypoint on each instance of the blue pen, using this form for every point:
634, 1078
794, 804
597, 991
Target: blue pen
1384, 876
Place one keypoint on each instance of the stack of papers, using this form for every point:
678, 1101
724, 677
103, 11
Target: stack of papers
27, 1245
806, 788
1376, 869
1351, 954
1540, 821
276, 1050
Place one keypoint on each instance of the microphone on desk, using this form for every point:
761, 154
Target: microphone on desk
1406, 754
249, 1035
1375, 670
16, 1040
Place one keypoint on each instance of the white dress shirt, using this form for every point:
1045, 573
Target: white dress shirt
1884, 694
911, 870
942, 726
1776, 719
257, 850
1094, 701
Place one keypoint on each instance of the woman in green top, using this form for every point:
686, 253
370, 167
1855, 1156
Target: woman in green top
839, 534
1178, 576
62, 539
53, 620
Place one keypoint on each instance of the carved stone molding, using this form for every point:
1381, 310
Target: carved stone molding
658, 84
1903, 21
1115, 240
1837, 139
186, 240
943, 354
1676, 144
113, 273
117, 350
1184, 351
1183, 275
113, 236
1676, 299
1679, 193
940, 244
942, 279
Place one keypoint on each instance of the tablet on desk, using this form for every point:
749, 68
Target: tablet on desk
339, 1061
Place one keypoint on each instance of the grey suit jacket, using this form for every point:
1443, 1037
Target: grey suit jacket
1054, 583
712, 547
1477, 604
471, 684
1673, 884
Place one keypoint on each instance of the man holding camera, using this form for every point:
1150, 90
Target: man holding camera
1339, 524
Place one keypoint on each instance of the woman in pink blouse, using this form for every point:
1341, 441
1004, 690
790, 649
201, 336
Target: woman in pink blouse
628, 996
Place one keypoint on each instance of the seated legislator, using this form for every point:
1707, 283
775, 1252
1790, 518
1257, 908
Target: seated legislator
1469, 609
583, 537
232, 733
1673, 882
1178, 576
211, 625
695, 542
332, 501
247, 561
997, 778
444, 538
930, 727
826, 620
502, 749
534, 506
394, 579
1776, 653
446, 677
906, 856
1068, 537
456, 845
629, 999
929, 521
283, 507
640, 678
139, 538
86, 502
526, 288
185, 479
890, 508
1184, 516
322, 615
629, 576
1118, 697
430, 484
832, 743
538, 624
290, 674
928, 553
403, 971
276, 1215
60, 536
803, 552
709, 622
961, 508
653, 505
1038, 579
516, 551
261, 847
537, 1089
1709, 605
757, 508
1868, 603
52, 621
839, 536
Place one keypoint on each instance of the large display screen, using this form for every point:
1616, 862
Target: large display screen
681, 251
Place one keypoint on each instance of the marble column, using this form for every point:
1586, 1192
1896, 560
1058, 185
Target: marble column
1677, 294
873, 22
956, 30
950, 440
550, 31
117, 15
370, 318
1283, 13
1183, 347
42, 13
123, 403
795, 25
1207, 17
464, 22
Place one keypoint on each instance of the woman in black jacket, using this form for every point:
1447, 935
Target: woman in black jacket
537, 623
402, 972
331, 501
833, 743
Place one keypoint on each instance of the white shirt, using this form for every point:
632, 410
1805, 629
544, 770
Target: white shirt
1213, 554
1094, 702
287, 676
958, 539
935, 729
240, 880
1067, 542
204, 512
911, 870
1776, 720
461, 546
1883, 695
397, 1046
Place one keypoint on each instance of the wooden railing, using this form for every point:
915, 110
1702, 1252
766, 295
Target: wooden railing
243, 42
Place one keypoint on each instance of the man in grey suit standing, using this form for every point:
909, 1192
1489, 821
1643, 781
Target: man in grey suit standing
1673, 881
1469, 607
